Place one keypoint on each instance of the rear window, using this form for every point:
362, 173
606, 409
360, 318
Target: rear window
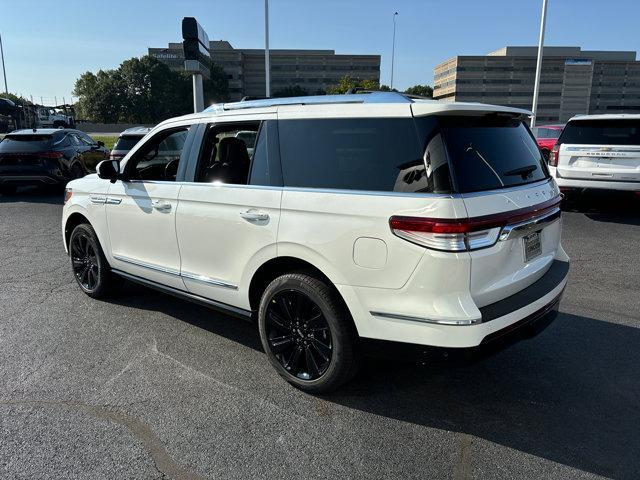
126, 142
602, 132
489, 152
423, 155
25, 143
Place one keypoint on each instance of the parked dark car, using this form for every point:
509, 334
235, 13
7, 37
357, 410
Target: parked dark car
47, 157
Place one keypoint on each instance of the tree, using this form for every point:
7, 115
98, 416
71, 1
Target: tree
290, 91
142, 90
420, 90
347, 83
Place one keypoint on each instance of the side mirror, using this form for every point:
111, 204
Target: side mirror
100, 143
108, 170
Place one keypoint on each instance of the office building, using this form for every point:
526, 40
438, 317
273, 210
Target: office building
312, 70
573, 81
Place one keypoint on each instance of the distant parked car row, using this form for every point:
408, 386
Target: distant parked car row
593, 152
47, 157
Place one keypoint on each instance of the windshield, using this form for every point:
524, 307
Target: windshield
25, 143
602, 132
486, 153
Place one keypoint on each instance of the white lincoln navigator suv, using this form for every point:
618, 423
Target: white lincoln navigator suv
355, 217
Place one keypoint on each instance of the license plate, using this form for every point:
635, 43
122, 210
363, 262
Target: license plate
532, 246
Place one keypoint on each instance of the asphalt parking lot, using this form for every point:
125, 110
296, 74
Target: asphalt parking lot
148, 386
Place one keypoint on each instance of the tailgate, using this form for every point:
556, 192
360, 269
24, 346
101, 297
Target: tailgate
525, 249
600, 162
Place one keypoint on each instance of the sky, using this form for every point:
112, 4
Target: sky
48, 44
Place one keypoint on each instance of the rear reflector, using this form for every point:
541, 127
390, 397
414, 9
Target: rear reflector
460, 234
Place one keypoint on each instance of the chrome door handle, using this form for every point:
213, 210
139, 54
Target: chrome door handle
254, 216
161, 206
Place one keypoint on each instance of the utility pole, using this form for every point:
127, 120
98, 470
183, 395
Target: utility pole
536, 85
4, 71
393, 47
267, 73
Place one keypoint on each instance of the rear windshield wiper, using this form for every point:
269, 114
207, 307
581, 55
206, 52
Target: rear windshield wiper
524, 172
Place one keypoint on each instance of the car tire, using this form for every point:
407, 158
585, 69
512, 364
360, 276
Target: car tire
89, 265
307, 333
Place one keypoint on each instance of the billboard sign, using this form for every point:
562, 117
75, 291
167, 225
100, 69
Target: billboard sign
195, 43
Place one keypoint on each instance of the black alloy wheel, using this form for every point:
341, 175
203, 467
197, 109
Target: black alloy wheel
307, 332
298, 334
90, 267
84, 261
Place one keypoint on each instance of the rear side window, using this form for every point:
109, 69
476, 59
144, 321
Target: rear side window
376, 154
25, 143
602, 132
489, 152
126, 142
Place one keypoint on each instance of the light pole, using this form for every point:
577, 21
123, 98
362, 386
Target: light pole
393, 47
267, 75
4, 72
536, 84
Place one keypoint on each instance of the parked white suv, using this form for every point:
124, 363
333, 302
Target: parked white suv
598, 151
366, 216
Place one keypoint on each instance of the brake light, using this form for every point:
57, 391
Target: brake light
56, 155
457, 235
553, 157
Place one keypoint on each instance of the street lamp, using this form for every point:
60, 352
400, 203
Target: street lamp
4, 72
393, 47
267, 76
536, 84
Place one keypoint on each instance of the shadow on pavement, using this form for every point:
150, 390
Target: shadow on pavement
34, 195
571, 395
605, 206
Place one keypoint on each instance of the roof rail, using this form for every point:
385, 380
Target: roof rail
363, 97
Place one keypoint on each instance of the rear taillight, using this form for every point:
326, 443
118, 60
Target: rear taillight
553, 156
457, 235
56, 155
116, 156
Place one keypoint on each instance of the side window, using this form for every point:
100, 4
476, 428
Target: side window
85, 139
159, 157
74, 140
226, 153
375, 154
265, 164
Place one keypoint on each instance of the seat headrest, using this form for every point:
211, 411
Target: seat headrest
232, 150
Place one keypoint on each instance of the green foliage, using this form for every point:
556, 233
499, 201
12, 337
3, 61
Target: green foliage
142, 90
15, 98
290, 91
420, 90
346, 83
108, 140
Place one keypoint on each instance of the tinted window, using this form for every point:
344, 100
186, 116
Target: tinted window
25, 143
265, 166
490, 152
159, 157
225, 156
355, 154
126, 142
602, 132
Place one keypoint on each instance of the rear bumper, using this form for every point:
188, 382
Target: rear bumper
601, 184
18, 180
527, 306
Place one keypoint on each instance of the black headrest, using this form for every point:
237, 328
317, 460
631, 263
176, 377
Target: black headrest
232, 150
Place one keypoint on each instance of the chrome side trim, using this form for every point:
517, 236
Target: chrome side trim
150, 266
177, 273
409, 318
223, 307
97, 199
208, 280
113, 201
523, 228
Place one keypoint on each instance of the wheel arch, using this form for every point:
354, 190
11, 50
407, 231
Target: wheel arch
277, 266
75, 219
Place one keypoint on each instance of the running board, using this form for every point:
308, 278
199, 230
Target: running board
219, 306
